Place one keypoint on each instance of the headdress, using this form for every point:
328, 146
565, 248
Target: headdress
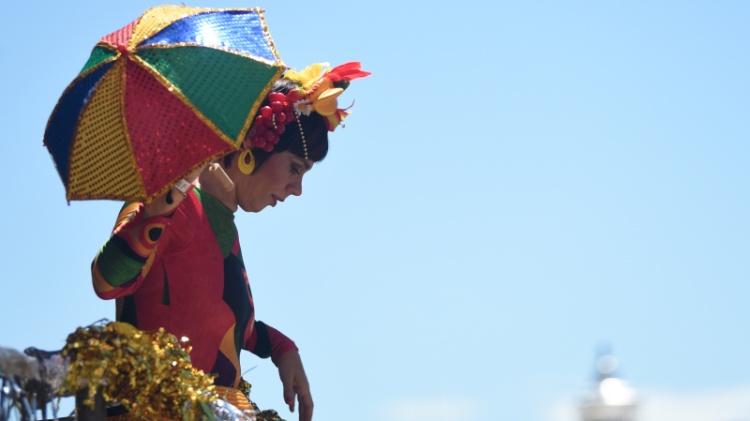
319, 88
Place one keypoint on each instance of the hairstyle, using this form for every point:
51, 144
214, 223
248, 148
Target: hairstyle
314, 129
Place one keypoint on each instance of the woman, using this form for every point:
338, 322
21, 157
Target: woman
176, 262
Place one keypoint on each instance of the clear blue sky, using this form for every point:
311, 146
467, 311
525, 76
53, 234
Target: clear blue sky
520, 183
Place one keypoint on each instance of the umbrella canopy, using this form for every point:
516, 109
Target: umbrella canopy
166, 94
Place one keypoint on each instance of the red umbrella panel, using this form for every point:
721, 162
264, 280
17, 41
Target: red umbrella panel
168, 93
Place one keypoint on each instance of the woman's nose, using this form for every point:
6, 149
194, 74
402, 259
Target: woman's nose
295, 188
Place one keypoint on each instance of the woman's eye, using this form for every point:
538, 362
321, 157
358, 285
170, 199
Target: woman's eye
295, 169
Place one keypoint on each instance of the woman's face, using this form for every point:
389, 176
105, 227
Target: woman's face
278, 177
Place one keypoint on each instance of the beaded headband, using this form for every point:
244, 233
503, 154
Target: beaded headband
319, 89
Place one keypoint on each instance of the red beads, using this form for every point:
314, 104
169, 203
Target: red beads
270, 123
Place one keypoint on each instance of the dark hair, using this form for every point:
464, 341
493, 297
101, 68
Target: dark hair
313, 126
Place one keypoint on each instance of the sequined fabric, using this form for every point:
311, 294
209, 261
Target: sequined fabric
169, 92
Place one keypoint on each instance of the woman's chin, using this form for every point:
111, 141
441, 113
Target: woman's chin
250, 208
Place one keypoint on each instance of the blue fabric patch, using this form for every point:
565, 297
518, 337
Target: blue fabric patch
239, 31
62, 124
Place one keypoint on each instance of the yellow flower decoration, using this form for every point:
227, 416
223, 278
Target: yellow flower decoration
309, 76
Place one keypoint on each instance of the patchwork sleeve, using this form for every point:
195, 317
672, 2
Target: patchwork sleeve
265, 341
125, 259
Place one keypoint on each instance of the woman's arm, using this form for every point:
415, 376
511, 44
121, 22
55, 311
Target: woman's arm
295, 383
126, 258
265, 341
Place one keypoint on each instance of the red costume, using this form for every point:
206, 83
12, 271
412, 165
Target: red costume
184, 272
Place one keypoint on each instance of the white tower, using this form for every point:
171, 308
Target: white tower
611, 399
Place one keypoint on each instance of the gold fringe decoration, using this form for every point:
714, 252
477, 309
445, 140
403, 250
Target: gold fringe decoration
150, 374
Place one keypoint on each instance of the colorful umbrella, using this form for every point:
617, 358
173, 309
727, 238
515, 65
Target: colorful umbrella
166, 94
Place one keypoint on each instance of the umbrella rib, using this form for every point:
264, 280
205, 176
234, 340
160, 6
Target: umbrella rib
217, 48
128, 141
169, 185
256, 105
267, 34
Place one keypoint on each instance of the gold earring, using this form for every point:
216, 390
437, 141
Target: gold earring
246, 161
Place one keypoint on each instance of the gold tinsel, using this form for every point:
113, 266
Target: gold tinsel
265, 415
150, 374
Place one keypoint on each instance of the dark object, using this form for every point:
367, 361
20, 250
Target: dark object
86, 413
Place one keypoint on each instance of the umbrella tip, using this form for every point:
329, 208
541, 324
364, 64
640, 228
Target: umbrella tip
123, 49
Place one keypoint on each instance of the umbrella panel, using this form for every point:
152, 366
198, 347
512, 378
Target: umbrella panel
223, 87
101, 161
98, 55
151, 22
239, 31
167, 137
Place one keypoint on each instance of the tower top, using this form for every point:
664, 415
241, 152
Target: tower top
610, 398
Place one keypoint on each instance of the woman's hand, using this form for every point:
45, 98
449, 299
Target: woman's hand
168, 202
295, 384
